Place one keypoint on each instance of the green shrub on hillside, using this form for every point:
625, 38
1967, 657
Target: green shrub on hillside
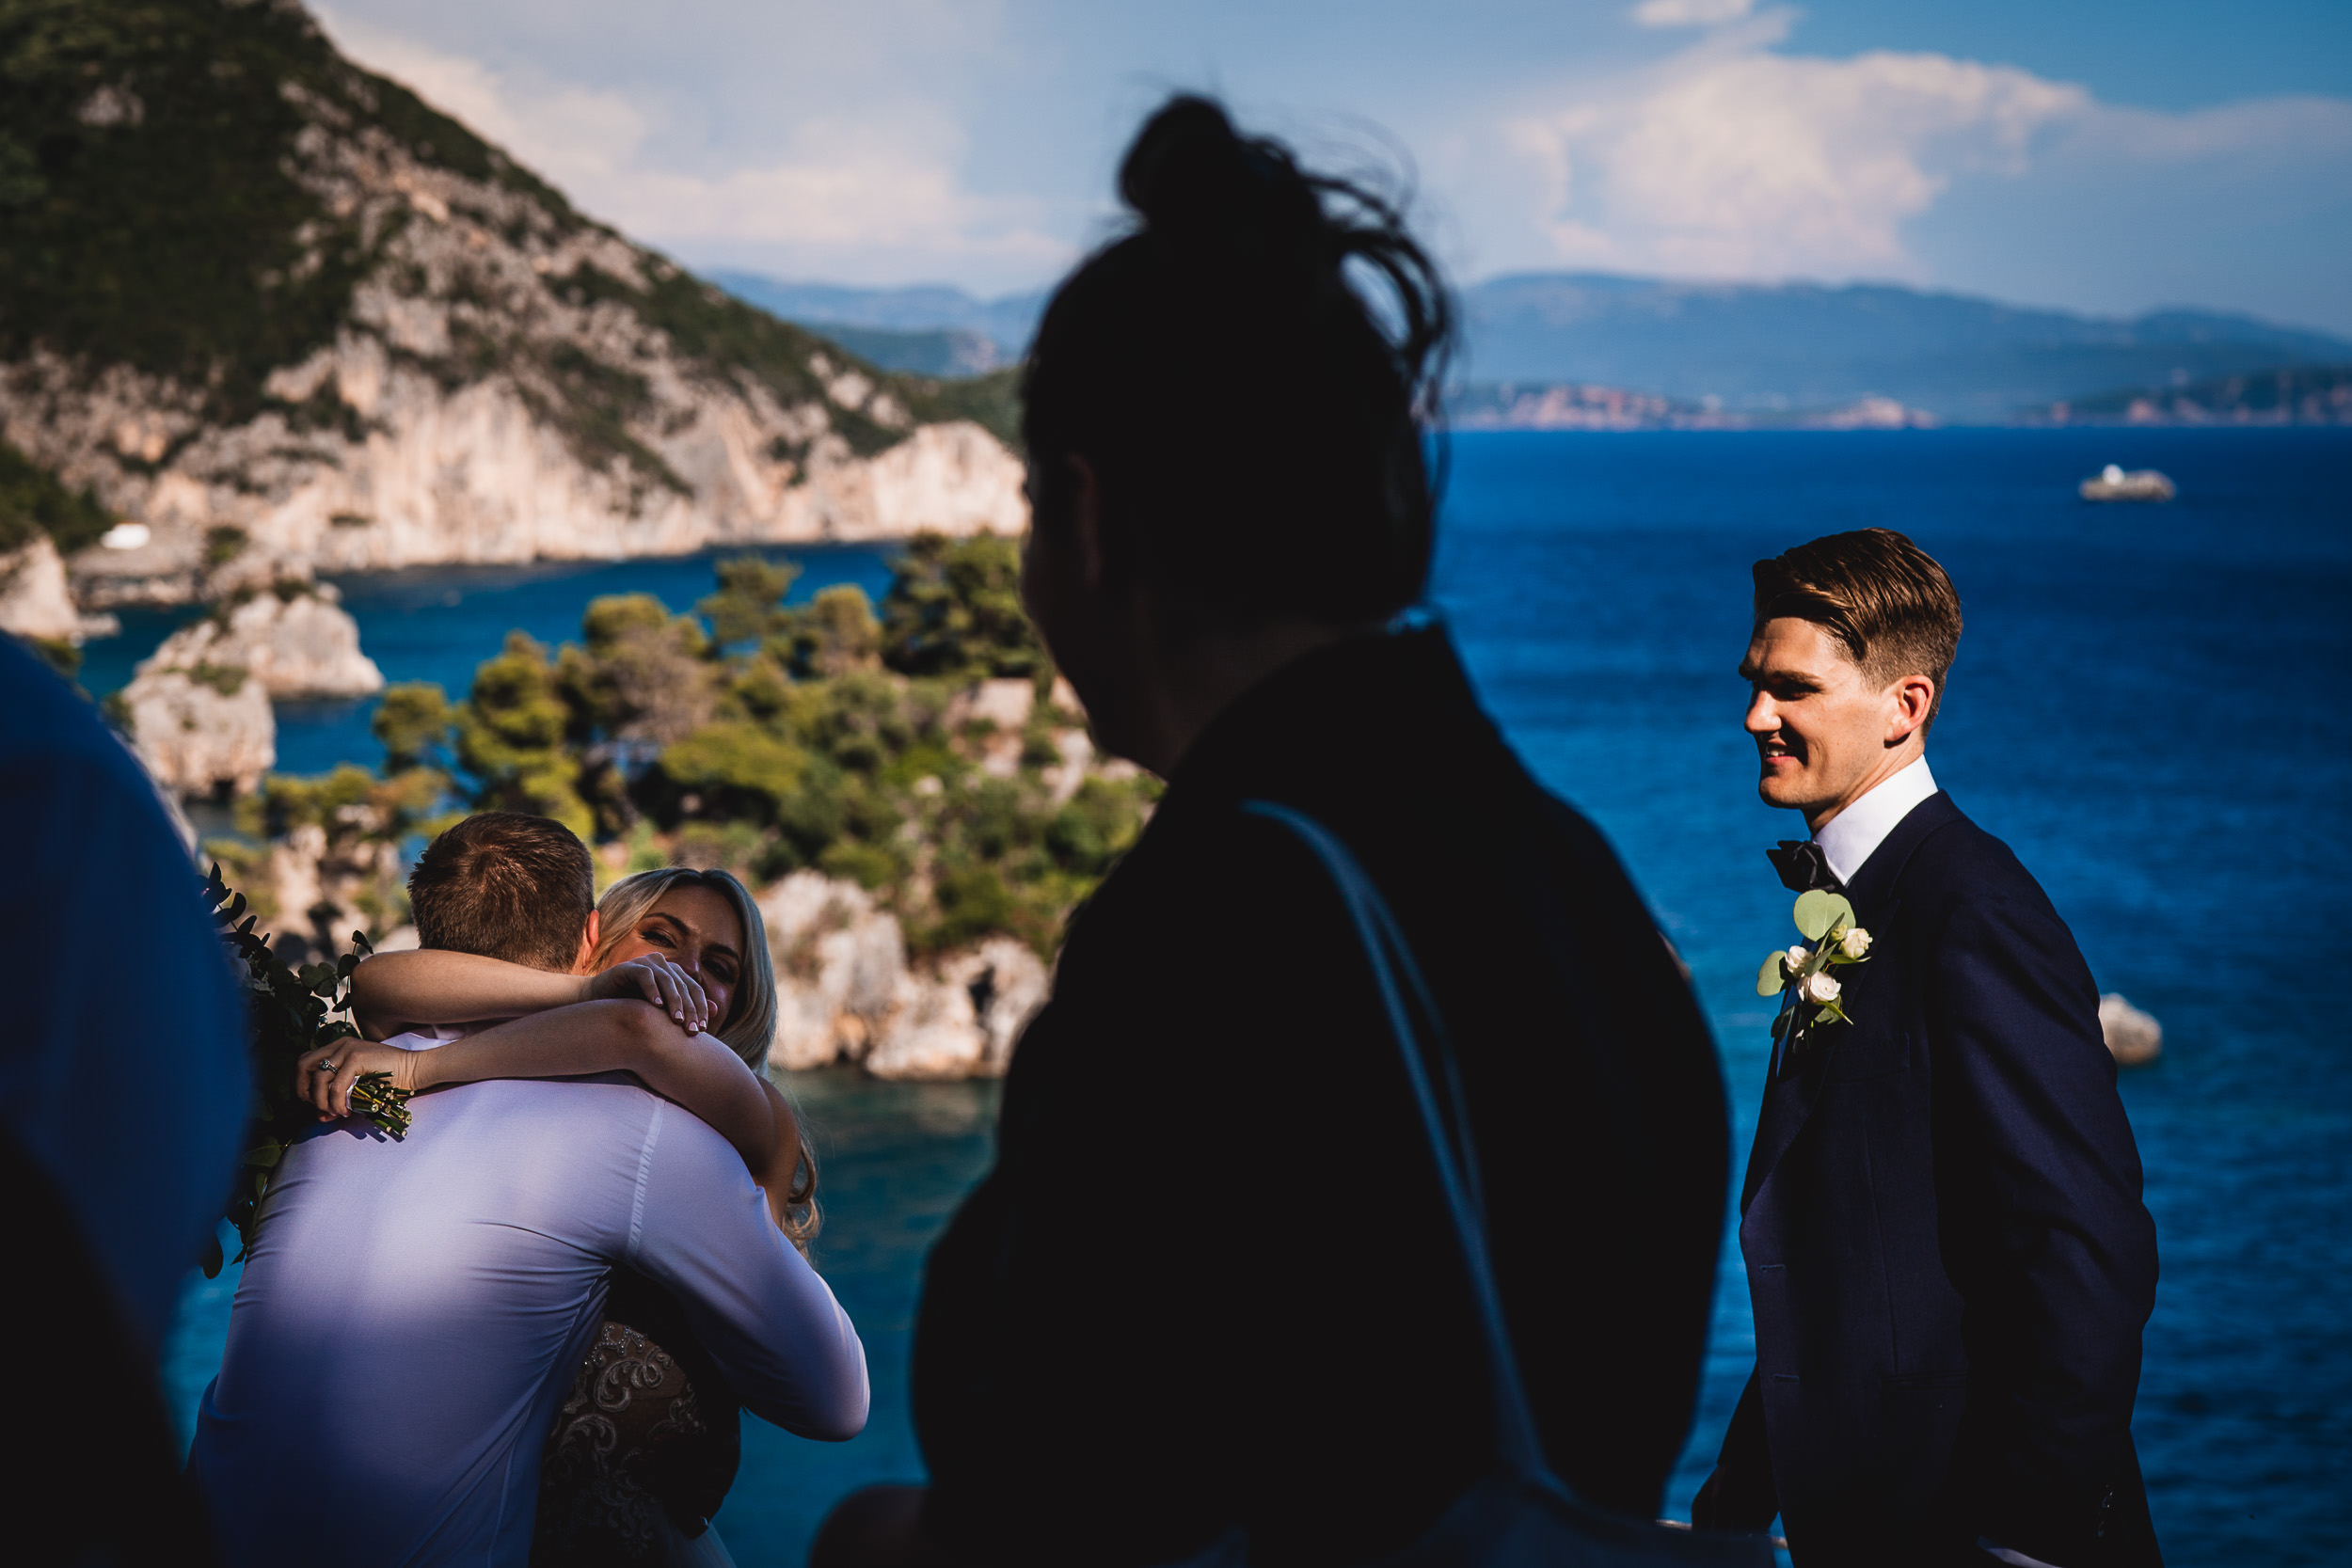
147, 212
511, 739
783, 742
814, 744
412, 724
34, 500
954, 611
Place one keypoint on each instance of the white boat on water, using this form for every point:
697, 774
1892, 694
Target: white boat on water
2114, 484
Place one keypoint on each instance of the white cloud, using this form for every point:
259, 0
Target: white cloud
877, 193
1689, 13
1732, 159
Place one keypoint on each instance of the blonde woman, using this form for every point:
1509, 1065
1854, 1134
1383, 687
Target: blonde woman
640, 1458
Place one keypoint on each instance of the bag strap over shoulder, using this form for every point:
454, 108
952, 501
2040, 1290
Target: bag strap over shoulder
1516, 1446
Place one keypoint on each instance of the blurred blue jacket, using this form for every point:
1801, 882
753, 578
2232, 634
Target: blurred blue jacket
123, 1068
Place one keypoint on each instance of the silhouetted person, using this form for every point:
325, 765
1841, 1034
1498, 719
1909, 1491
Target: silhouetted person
123, 1092
1210, 1282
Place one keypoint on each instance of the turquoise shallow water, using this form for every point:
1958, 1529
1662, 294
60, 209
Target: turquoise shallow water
2145, 707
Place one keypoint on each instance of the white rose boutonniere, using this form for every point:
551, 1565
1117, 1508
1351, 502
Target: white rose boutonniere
1826, 921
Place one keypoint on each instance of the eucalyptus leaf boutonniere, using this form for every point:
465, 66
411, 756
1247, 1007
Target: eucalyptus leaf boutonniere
1826, 921
288, 1012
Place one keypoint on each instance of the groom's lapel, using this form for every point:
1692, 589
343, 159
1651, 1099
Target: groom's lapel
1789, 1098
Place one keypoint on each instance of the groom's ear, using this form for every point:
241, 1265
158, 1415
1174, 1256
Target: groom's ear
1914, 704
587, 943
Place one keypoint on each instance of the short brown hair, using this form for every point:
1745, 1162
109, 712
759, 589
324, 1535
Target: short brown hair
505, 886
1876, 592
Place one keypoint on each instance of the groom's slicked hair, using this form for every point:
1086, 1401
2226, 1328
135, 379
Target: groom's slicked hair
1882, 597
505, 886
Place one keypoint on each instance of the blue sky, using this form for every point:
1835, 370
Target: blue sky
2090, 153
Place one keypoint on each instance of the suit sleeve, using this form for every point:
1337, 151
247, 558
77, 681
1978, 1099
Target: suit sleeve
702, 1230
2045, 1232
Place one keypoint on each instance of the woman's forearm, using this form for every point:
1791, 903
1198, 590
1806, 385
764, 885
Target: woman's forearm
696, 1070
433, 987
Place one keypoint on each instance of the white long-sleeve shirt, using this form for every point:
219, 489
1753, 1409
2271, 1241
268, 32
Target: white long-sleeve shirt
413, 1314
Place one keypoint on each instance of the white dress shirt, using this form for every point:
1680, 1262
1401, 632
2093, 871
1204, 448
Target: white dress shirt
413, 1314
1848, 839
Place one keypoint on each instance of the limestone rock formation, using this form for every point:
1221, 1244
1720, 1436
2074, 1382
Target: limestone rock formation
2133, 1037
297, 641
404, 349
203, 729
847, 992
34, 601
317, 892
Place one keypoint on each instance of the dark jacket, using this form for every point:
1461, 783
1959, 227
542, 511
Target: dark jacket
1945, 1247
1209, 1281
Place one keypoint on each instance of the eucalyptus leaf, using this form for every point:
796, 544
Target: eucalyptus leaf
1771, 977
265, 1155
1816, 912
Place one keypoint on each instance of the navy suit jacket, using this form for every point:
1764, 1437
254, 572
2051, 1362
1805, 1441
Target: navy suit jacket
1948, 1257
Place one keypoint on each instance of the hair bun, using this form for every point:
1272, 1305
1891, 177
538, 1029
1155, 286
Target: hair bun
1195, 181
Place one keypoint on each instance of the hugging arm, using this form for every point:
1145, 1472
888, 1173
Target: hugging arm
698, 1071
394, 991
785, 1347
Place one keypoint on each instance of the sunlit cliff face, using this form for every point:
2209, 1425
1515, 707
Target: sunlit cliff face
1825, 733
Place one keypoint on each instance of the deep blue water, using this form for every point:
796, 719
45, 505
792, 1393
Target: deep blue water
2144, 707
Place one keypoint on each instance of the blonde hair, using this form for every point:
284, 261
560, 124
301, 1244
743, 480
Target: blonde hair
750, 1026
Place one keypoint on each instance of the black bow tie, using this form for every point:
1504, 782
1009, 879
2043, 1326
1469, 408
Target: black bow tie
1804, 867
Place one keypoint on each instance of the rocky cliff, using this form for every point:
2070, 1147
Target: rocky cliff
289, 319
198, 710
36, 602
847, 992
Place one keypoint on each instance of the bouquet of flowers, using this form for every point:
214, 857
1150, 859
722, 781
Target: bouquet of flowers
290, 1011
1826, 921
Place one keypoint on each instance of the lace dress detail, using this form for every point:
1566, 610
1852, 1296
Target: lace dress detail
644, 1447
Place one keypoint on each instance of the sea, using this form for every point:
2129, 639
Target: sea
2146, 707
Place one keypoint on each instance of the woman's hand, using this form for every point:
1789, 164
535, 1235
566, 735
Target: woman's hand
654, 978
324, 1077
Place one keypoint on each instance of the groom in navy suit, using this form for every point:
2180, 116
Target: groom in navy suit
1942, 1222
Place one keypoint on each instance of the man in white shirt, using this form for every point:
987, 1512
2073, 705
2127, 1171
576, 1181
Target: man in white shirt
1948, 1259
413, 1312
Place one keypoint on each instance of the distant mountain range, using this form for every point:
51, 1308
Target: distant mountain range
1754, 348
925, 331
1798, 345
2300, 395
